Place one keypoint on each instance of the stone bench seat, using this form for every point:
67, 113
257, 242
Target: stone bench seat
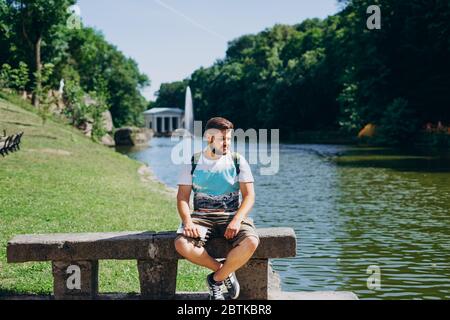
157, 259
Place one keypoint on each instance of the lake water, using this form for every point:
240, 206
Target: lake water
353, 210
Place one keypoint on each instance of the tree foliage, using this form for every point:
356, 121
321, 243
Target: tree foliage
36, 32
335, 73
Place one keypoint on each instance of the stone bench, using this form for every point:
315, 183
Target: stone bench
75, 258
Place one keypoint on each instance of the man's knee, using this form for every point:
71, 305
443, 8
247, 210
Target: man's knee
252, 242
181, 244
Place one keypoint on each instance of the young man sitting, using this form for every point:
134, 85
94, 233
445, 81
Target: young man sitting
217, 176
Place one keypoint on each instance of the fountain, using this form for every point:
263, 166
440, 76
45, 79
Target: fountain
189, 112
188, 130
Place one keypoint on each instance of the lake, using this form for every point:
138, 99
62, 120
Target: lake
355, 210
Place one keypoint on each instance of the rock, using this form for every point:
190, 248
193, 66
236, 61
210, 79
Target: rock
88, 100
181, 133
56, 103
131, 136
108, 140
140, 138
149, 133
86, 127
123, 137
107, 121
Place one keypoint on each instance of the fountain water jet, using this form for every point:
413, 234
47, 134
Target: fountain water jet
189, 112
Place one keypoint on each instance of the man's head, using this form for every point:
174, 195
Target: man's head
218, 132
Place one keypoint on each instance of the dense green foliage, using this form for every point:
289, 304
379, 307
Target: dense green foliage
335, 73
170, 95
34, 33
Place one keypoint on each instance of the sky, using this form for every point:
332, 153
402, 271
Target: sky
170, 39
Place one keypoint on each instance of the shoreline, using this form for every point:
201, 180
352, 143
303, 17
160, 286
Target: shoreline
147, 175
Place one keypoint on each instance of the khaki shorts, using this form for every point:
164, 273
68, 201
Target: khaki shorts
217, 225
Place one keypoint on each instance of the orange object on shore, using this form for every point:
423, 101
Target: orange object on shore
368, 131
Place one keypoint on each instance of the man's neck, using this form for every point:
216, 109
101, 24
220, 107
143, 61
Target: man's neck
212, 156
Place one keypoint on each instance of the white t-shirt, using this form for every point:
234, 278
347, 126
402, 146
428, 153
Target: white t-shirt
216, 184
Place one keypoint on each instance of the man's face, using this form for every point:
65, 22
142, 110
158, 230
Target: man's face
219, 140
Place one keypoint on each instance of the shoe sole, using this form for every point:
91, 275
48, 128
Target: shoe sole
237, 291
207, 284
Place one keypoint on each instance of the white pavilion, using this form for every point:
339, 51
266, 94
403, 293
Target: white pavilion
164, 120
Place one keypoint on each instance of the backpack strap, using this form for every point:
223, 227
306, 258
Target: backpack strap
236, 162
194, 161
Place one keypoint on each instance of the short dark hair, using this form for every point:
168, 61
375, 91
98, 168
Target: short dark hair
219, 123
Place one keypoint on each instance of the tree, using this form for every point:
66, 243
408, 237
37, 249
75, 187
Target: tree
104, 69
42, 95
20, 77
399, 123
171, 95
5, 32
34, 20
16, 79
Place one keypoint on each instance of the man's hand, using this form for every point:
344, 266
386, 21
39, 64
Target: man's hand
191, 230
233, 229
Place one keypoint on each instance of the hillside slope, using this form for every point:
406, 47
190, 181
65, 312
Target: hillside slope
61, 181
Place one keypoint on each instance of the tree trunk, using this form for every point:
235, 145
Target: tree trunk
37, 91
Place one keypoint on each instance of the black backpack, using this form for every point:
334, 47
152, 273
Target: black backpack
196, 157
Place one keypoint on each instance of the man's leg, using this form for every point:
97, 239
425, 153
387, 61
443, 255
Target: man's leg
195, 254
237, 257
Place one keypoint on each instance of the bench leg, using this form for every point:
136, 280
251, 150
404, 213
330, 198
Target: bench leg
253, 278
76, 280
158, 278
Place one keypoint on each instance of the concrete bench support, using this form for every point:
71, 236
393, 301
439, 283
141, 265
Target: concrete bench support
158, 278
254, 280
75, 280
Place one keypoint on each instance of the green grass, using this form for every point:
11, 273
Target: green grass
61, 181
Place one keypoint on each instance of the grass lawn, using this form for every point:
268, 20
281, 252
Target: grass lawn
61, 181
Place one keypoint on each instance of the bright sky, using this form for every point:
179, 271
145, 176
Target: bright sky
172, 38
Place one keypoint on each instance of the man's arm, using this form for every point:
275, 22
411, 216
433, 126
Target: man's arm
248, 200
183, 196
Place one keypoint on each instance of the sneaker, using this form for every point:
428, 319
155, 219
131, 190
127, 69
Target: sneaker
232, 285
215, 288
